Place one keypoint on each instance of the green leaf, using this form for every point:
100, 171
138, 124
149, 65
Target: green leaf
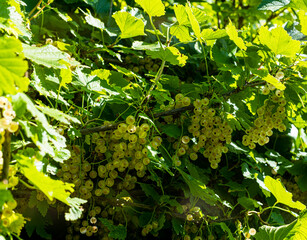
116, 232
12, 67
150, 192
75, 212
51, 188
248, 203
129, 25
210, 34
273, 5
181, 32
299, 231
42, 207
181, 15
169, 54
95, 22
296, 230
48, 56
171, 130
199, 189
299, 4
178, 225
154, 8
66, 77
303, 21
5, 195
233, 35
58, 115
225, 228
274, 81
279, 41
193, 21
281, 194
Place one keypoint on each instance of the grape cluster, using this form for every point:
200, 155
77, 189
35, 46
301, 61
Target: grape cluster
209, 131
141, 65
270, 116
9, 219
6, 122
293, 188
118, 159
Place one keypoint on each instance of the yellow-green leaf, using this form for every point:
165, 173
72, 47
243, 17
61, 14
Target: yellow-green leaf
303, 21
12, 66
181, 32
233, 35
66, 77
193, 21
169, 54
129, 25
299, 231
209, 34
281, 194
181, 15
279, 41
274, 81
154, 8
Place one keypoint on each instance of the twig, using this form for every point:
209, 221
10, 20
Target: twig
39, 11
37, 5
6, 149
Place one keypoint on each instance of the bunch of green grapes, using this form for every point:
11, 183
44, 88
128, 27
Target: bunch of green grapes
141, 65
209, 131
270, 116
118, 159
6, 122
10, 221
293, 188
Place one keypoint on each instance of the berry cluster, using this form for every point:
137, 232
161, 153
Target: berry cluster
118, 159
209, 132
10, 220
270, 116
141, 65
6, 122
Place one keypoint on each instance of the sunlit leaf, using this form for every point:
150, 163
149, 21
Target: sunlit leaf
273, 5
181, 15
281, 194
209, 34
233, 35
129, 25
154, 8
169, 54
12, 66
181, 32
274, 81
279, 41
193, 21
303, 21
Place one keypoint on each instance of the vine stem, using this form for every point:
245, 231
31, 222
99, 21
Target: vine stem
6, 149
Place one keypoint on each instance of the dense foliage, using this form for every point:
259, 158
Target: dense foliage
153, 119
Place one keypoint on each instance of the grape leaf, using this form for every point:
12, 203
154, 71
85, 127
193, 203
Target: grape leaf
17, 223
198, 189
95, 22
116, 232
181, 15
193, 21
66, 77
58, 115
150, 192
129, 25
12, 67
299, 231
281, 194
48, 55
181, 32
303, 22
75, 211
154, 8
50, 187
169, 54
274, 81
178, 225
298, 4
279, 41
273, 5
209, 34
42, 207
233, 35
5, 195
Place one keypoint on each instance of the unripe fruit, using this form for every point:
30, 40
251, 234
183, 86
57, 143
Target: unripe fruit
130, 120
